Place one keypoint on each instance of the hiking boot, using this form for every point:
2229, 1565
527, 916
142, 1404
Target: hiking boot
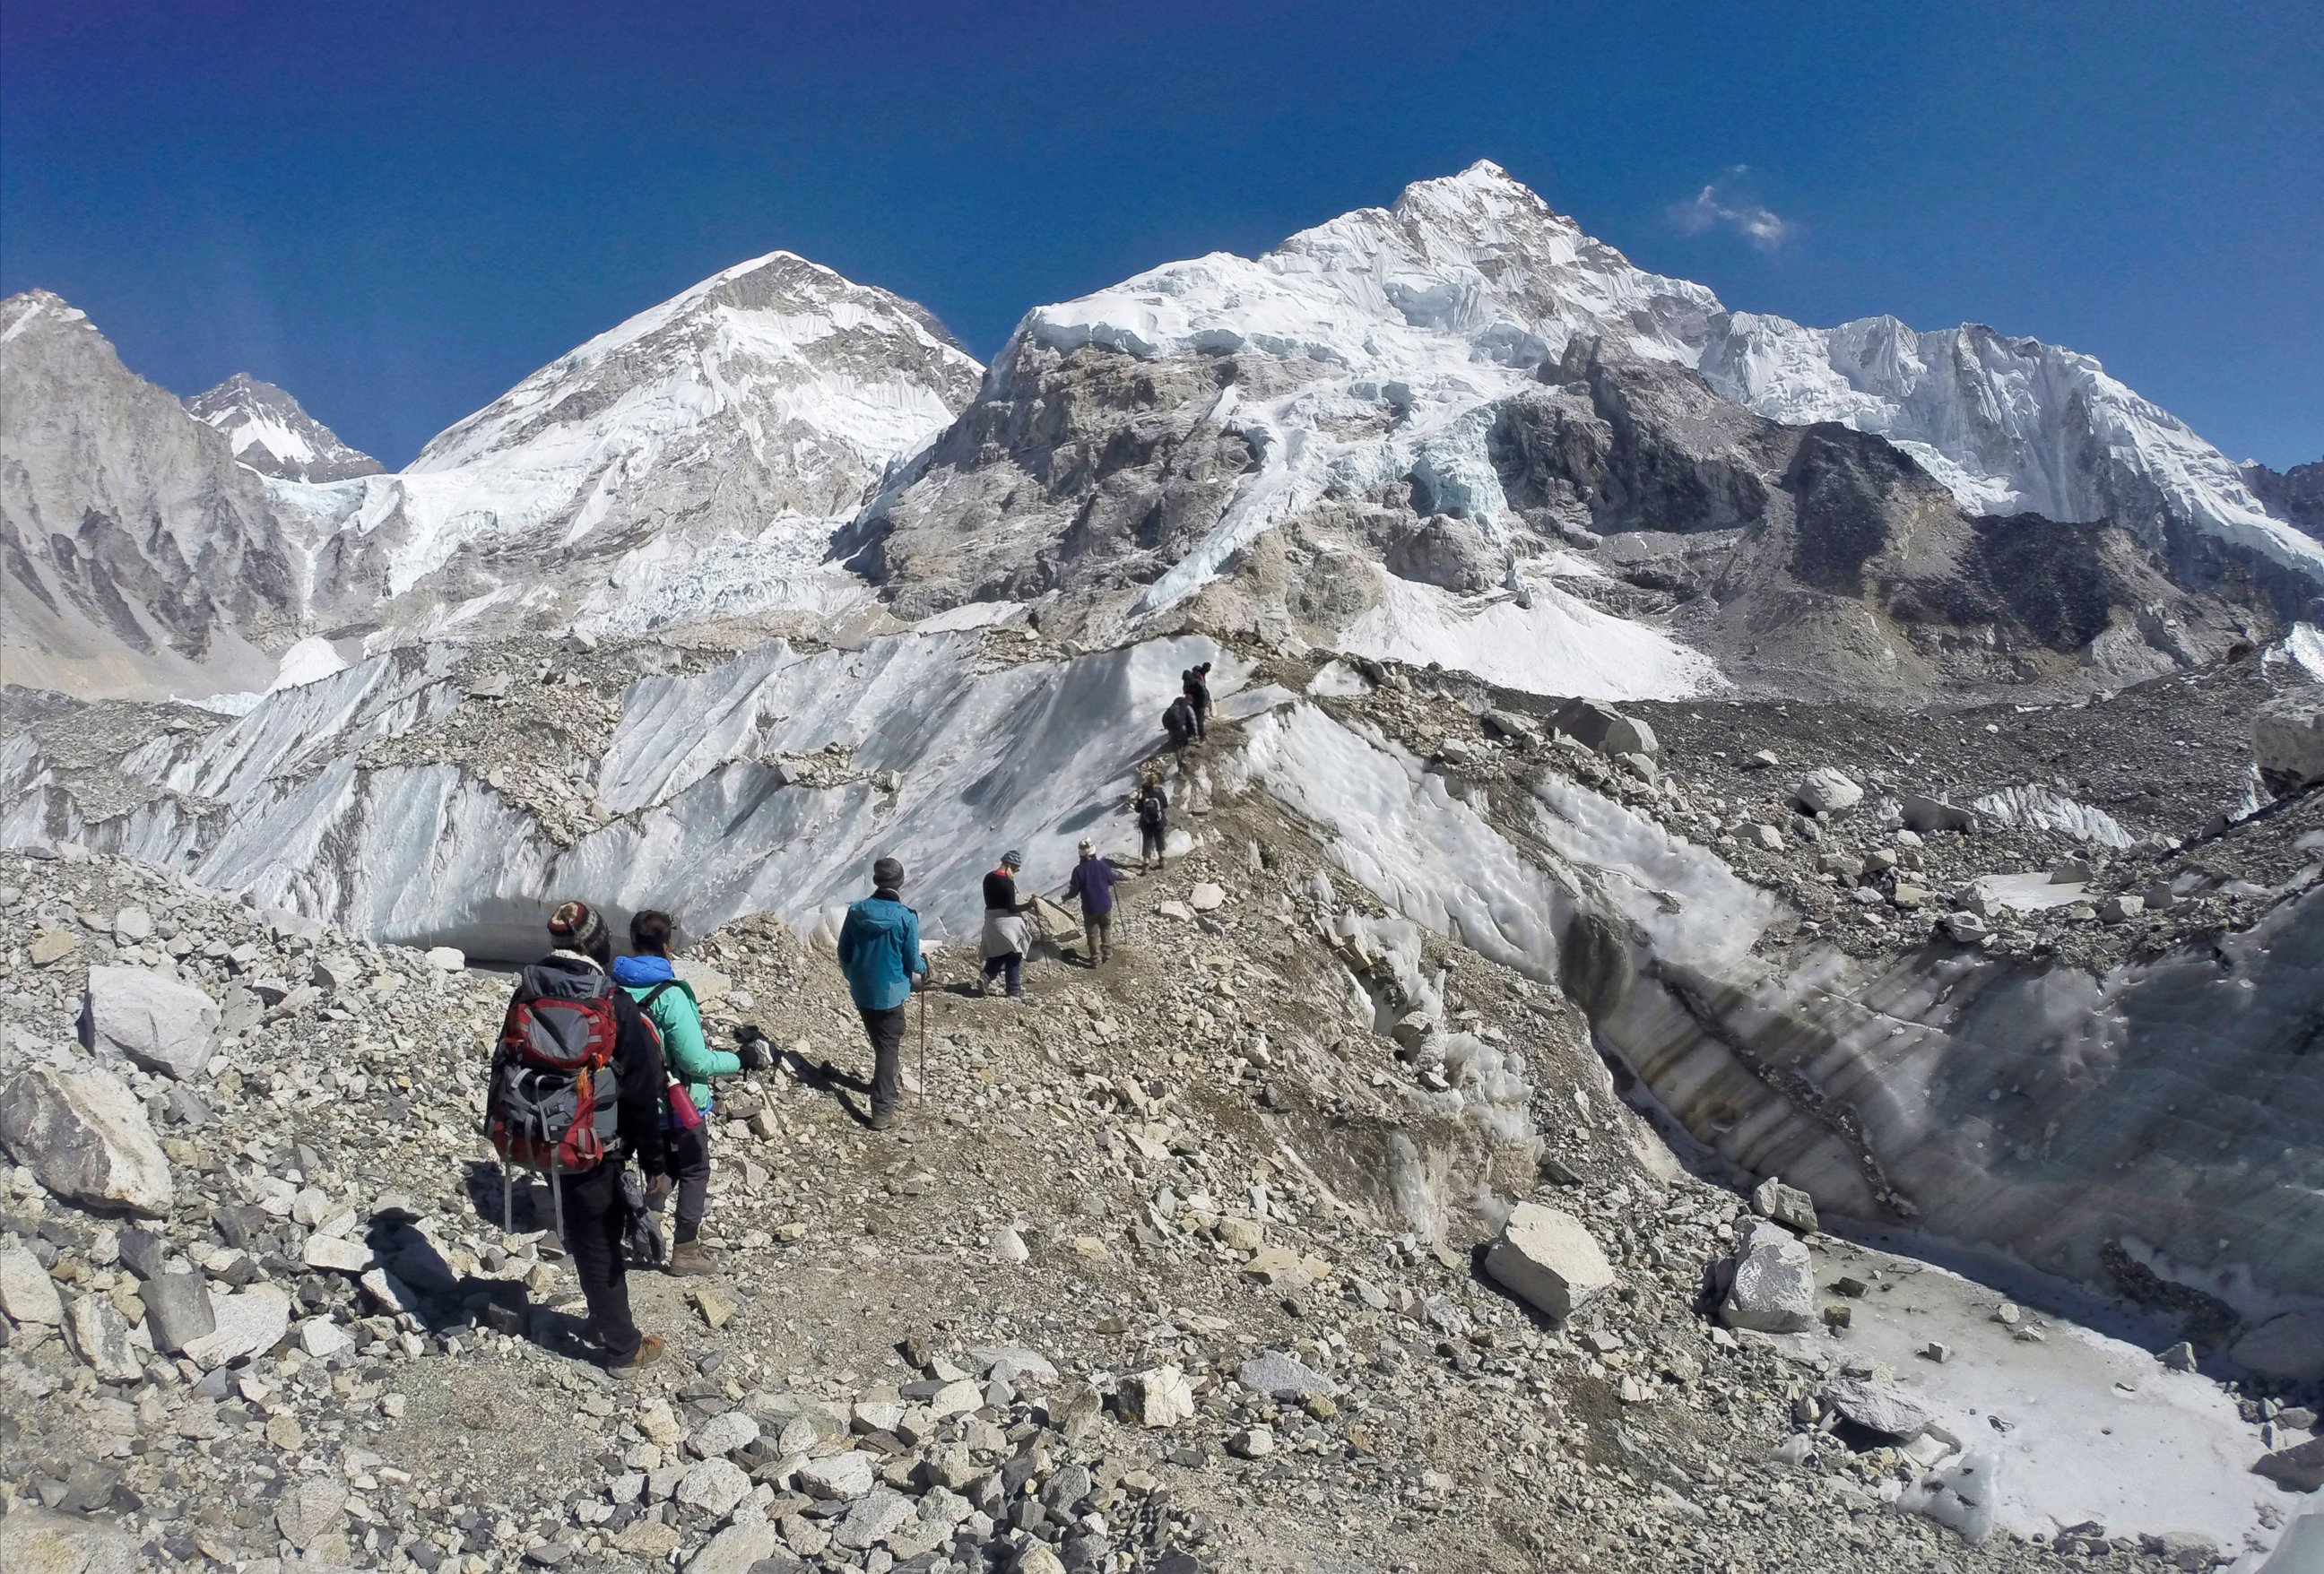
887, 1120
648, 1351
688, 1259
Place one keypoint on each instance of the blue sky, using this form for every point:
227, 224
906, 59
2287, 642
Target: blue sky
397, 211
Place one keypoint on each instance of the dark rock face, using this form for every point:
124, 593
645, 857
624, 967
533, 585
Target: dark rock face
1821, 558
2296, 494
1088, 471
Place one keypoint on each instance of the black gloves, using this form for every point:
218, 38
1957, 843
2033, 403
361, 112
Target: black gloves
752, 1049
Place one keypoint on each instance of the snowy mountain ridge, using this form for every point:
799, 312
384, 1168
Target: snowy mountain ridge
1416, 317
701, 452
271, 433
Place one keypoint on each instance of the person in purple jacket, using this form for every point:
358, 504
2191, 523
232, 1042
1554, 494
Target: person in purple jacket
1092, 882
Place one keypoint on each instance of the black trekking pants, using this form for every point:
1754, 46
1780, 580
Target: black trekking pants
687, 1154
886, 1031
593, 1234
1149, 841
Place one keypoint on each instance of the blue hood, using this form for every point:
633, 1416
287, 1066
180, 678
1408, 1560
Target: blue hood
639, 971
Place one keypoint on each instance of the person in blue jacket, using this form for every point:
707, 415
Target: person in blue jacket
668, 1003
879, 952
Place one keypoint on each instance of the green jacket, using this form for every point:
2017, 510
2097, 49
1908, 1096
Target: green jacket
676, 1014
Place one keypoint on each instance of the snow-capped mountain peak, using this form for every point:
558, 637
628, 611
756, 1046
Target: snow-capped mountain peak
702, 453
270, 432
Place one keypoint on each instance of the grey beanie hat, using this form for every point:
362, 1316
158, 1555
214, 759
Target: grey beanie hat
887, 875
1013, 859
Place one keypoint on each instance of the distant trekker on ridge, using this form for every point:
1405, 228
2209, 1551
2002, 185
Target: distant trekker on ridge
1180, 722
879, 952
1153, 809
1007, 936
1194, 683
1093, 882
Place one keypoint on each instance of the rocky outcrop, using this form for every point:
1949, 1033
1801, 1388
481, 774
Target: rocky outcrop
139, 559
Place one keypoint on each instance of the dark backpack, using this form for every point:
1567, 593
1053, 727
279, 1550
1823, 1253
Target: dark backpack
1149, 810
554, 1096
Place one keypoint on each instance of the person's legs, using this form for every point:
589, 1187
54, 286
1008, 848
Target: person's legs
689, 1157
886, 1031
1015, 965
593, 1234
1101, 932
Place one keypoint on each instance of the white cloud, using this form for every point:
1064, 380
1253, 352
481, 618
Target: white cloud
1721, 204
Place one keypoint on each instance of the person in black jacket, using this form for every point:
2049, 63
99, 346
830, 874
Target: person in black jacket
1195, 683
581, 966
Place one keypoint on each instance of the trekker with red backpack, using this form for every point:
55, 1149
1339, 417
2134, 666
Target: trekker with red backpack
667, 1000
576, 1088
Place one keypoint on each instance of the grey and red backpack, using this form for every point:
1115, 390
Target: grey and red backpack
554, 1099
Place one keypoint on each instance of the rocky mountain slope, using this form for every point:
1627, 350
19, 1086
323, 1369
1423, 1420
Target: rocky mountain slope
2295, 495
140, 559
690, 463
272, 432
1393, 434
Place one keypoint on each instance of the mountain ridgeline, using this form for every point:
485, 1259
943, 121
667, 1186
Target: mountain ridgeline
1495, 425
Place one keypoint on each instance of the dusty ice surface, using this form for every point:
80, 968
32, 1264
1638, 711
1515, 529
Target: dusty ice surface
2083, 1426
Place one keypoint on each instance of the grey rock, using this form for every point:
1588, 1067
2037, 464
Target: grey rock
100, 1336
2301, 1468
151, 1018
308, 1510
737, 1549
1828, 792
837, 1476
1549, 1258
34, 1539
27, 1293
2288, 741
86, 1137
714, 1486
1877, 1406
1772, 1283
255, 1320
1605, 729
1926, 815
2289, 1347
1279, 1374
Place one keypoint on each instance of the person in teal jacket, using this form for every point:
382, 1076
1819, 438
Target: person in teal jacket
668, 1003
879, 952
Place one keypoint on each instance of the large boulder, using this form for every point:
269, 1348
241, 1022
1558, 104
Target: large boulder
157, 1021
2288, 1349
1604, 729
100, 1336
178, 1311
1157, 1397
27, 1293
1548, 1259
255, 1320
84, 1136
2288, 741
38, 1540
1827, 793
1771, 1282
